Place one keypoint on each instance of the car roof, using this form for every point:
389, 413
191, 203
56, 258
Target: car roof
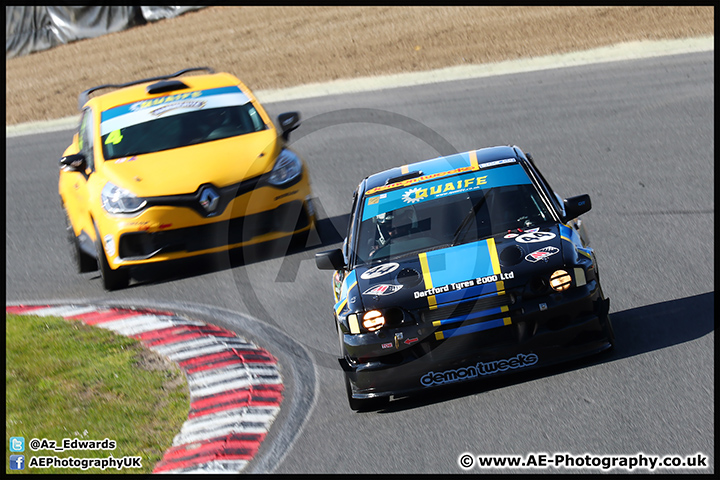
427, 169
167, 85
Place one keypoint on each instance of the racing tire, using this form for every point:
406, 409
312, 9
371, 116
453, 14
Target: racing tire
112, 279
83, 262
610, 331
299, 241
362, 404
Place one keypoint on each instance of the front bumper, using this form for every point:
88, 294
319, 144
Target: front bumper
166, 232
543, 332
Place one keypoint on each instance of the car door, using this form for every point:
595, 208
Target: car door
75, 188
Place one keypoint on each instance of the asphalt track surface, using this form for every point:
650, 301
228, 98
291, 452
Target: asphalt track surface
638, 136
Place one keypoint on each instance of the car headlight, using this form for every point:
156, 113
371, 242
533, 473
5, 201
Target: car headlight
287, 168
373, 320
560, 280
118, 200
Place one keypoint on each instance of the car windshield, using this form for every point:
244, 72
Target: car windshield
177, 121
453, 210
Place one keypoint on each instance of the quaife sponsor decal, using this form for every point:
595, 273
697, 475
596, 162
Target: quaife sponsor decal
161, 100
173, 106
441, 189
478, 370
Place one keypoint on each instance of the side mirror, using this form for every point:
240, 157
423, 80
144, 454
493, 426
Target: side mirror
576, 206
75, 162
288, 121
330, 260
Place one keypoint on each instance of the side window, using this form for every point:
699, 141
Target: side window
348, 244
553, 197
85, 138
257, 122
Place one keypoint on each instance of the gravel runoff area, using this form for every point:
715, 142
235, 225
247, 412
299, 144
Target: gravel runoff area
277, 47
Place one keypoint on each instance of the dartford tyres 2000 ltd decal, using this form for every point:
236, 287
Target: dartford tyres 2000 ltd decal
480, 369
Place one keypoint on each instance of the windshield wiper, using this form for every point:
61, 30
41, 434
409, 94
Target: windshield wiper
466, 221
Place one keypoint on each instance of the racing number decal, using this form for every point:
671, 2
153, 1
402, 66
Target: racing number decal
379, 270
114, 137
535, 237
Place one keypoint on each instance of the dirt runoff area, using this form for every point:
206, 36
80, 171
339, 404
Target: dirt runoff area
275, 47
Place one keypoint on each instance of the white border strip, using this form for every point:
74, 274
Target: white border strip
622, 51
210, 382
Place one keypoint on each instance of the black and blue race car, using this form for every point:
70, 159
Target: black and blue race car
461, 268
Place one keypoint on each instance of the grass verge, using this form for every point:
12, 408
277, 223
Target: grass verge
65, 379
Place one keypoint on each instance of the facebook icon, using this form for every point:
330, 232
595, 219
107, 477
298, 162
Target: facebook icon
17, 462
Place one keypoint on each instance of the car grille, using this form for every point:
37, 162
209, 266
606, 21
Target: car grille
469, 326
467, 308
288, 217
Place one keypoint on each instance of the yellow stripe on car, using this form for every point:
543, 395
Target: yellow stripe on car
432, 302
473, 160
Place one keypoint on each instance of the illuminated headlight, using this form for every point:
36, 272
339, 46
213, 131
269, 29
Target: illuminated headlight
287, 168
373, 320
119, 200
560, 280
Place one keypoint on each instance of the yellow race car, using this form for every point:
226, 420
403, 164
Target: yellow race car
166, 168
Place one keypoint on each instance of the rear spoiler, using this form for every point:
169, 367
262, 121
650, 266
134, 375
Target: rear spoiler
83, 97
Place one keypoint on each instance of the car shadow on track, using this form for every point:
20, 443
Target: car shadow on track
329, 231
637, 331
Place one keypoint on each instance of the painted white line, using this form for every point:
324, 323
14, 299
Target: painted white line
612, 53
254, 415
141, 324
198, 347
212, 377
48, 126
185, 345
623, 51
200, 391
229, 379
62, 311
225, 376
239, 410
255, 370
221, 431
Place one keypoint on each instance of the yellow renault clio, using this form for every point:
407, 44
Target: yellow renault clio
167, 167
